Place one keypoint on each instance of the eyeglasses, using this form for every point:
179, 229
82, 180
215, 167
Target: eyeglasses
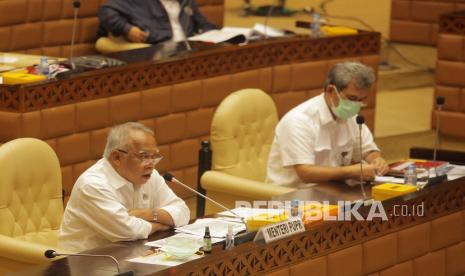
145, 157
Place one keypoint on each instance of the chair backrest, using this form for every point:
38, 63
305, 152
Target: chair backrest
242, 132
31, 203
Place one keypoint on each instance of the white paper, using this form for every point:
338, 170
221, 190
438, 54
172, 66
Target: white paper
218, 228
389, 179
247, 32
455, 172
7, 59
268, 30
161, 258
162, 242
245, 212
402, 166
214, 36
226, 33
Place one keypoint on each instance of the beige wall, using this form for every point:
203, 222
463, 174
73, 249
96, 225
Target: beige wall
375, 12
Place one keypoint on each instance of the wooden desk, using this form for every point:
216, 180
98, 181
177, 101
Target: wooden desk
176, 97
10, 61
409, 243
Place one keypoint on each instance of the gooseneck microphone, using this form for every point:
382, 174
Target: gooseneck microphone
440, 100
267, 18
76, 6
360, 121
52, 254
170, 178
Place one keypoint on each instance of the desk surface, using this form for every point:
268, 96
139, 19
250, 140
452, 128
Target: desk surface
251, 258
10, 61
194, 65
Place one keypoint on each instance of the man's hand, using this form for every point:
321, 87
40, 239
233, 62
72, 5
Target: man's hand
145, 214
159, 227
380, 165
135, 34
368, 172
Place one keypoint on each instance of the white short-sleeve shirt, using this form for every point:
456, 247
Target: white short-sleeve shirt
97, 211
308, 134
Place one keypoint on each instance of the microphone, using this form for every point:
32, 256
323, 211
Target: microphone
360, 121
52, 254
440, 100
76, 6
170, 178
265, 25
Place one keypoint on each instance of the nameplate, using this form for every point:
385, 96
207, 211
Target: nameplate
280, 230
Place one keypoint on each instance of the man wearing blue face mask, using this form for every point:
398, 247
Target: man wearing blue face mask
318, 140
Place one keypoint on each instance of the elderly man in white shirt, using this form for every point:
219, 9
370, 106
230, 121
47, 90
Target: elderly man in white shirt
121, 197
318, 140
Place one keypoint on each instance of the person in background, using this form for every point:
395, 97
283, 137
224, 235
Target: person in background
152, 21
318, 140
121, 197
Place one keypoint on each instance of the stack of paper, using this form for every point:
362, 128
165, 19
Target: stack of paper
237, 34
456, 172
245, 212
218, 227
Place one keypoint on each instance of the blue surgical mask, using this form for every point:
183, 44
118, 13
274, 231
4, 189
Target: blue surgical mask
346, 108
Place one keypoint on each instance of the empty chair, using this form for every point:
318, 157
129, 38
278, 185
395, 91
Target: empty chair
241, 135
31, 204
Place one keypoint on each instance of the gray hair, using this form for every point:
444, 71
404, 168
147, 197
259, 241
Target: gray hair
119, 136
343, 73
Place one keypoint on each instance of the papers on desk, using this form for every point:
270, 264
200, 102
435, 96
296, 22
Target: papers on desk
245, 212
196, 231
8, 59
218, 36
163, 242
237, 34
160, 258
267, 30
452, 171
456, 172
218, 227
388, 179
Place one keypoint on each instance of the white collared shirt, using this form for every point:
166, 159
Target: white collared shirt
308, 134
97, 211
173, 9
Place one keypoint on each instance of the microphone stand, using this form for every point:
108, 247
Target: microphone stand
76, 6
52, 254
360, 120
170, 178
440, 100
